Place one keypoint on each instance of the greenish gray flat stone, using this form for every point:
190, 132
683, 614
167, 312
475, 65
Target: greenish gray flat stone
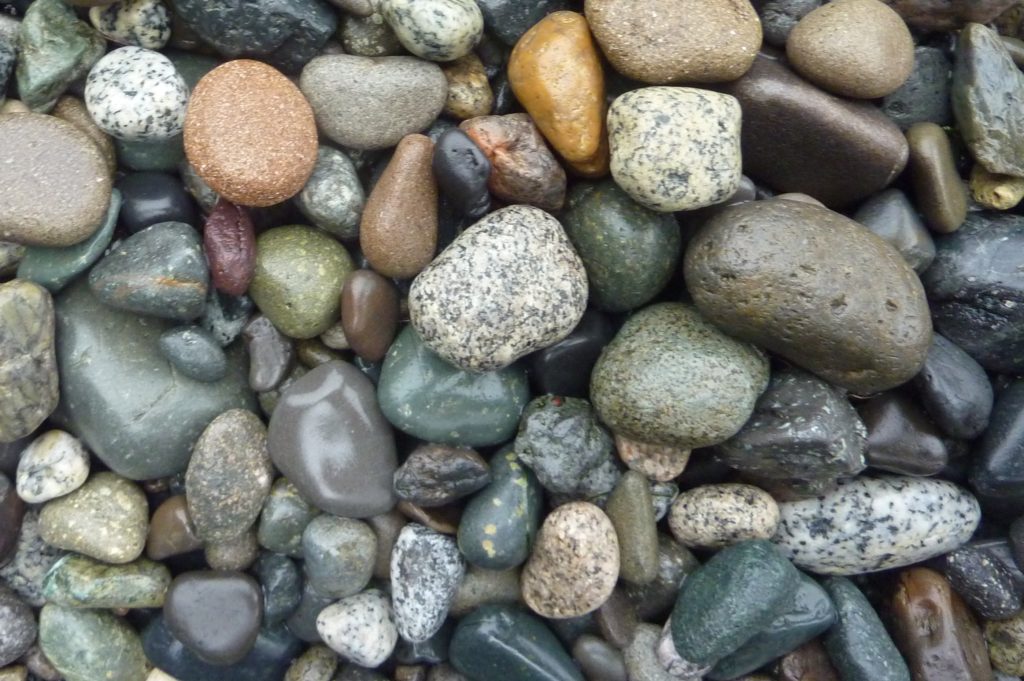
90, 645
859, 645
28, 375
632, 513
81, 582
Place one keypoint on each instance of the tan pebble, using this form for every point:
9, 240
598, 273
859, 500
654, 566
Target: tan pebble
72, 110
802, 198
658, 462
995, 191
469, 92
715, 516
13, 106
1006, 644
14, 673
159, 675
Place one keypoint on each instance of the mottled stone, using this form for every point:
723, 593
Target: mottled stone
85, 645
280, 581
426, 569
80, 582
54, 464
434, 475
469, 92
32, 558
1006, 645
339, 554
142, 23
360, 628
28, 375
171, 531
988, 586
438, 30
225, 316
333, 197
778, 17
995, 191
641, 658
715, 516
17, 627
924, 96
318, 663
892, 216
368, 36
660, 463
215, 613
284, 518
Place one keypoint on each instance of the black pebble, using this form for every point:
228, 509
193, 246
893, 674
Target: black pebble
462, 171
564, 368
151, 197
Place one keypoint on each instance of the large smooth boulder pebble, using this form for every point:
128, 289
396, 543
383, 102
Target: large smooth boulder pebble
215, 613
28, 376
360, 628
84, 645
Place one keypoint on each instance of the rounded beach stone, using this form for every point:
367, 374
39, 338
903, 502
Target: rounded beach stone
142, 23
171, 531
79, 582
715, 516
661, 463
136, 94
368, 36
675, 148
854, 48
90, 644
370, 310
426, 570
1006, 644
216, 614
74, 111
339, 555
438, 30
17, 627
333, 197
574, 564
435, 475
54, 464
250, 134
29, 378
663, 41
360, 628
469, 92
194, 352
67, 168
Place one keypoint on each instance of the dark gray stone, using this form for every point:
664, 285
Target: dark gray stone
778, 17
925, 94
891, 215
17, 627
28, 370
194, 352
985, 584
955, 390
508, 20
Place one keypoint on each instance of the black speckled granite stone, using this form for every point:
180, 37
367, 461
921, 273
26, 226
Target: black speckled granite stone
986, 584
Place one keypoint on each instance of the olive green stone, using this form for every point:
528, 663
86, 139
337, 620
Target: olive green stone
90, 645
632, 513
858, 645
299, 275
28, 367
654, 600
284, 519
318, 663
80, 582
630, 252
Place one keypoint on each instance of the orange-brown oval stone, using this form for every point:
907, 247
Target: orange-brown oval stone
250, 133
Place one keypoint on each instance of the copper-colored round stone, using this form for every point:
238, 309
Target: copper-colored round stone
250, 133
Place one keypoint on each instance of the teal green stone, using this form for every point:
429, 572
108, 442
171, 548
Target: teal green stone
808, 613
428, 398
192, 66
55, 268
90, 645
500, 521
629, 251
284, 518
281, 583
858, 645
79, 582
160, 155
55, 49
731, 598
500, 643
195, 352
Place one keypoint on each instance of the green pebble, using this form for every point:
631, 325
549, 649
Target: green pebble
284, 518
632, 513
90, 645
858, 645
79, 582
158, 155
194, 352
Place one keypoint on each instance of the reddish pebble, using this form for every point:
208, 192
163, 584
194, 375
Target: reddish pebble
229, 240
369, 314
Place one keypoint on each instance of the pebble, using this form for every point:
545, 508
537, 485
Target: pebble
426, 569
17, 627
631, 511
854, 48
339, 554
9, 30
955, 390
998, 192
994, 473
368, 36
469, 92
226, 316
80, 582
67, 167
329, 438
778, 17
858, 644
932, 15
484, 587
435, 475
892, 216
671, 378
372, 103
216, 614
298, 278
360, 628
284, 518
809, 661
598, 659
74, 111
29, 377
529, 291
462, 170
54, 464
924, 96
171, 531
150, 197
438, 30
716, 516
564, 367
988, 586
664, 42
281, 585
12, 510
866, 332
318, 663
90, 644
939, 192
302, 622
369, 314
194, 352
333, 197
237, 553
271, 353
508, 20
31, 560
142, 23
640, 657
675, 148
908, 520
1006, 645
259, 158
398, 231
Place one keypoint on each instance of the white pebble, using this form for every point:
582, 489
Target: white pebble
360, 628
55, 464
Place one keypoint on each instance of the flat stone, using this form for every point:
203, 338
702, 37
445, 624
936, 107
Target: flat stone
17, 627
54, 464
715, 516
216, 614
631, 511
80, 582
360, 628
339, 555
333, 197
892, 216
438, 30
171, 531
426, 569
84, 645
28, 375
284, 518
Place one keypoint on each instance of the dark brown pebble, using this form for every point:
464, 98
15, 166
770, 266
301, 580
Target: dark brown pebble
230, 244
369, 314
171, 531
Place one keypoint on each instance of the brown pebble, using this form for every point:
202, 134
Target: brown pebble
171, 531
369, 314
12, 510
72, 110
408, 672
658, 462
443, 519
312, 352
939, 192
469, 92
250, 134
809, 662
398, 232
995, 191
229, 241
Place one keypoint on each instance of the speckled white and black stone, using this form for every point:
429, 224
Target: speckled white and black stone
361, 628
871, 524
438, 30
507, 286
675, 148
142, 23
426, 570
55, 464
136, 94
672, 662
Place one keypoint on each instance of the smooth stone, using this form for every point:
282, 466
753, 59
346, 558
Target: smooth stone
438, 30
372, 103
426, 569
501, 643
908, 520
996, 471
660, 463
398, 231
387, 527
485, 587
360, 628
786, 122
654, 600
867, 331
943, 15
330, 439
802, 428
631, 511
333, 196
1006, 645
663, 42
892, 216
987, 101
670, 377
262, 157
901, 438
151, 155
74, 111
716, 516
136, 94
778, 17
983, 582
67, 168
302, 622
152, 197
675, 148
236, 553
54, 50
229, 475
281, 585
369, 313
194, 352
142, 23
508, 20
629, 252
17, 627
462, 171
270, 353
225, 315
284, 518
28, 373
318, 663
215, 614
809, 662
285, 33
469, 92
12, 511
80, 582
574, 563
32, 559
858, 644
564, 368
85, 645
434, 475
299, 276
54, 464
599, 660
171, 532
924, 96
339, 555
940, 193
641, 658
368, 36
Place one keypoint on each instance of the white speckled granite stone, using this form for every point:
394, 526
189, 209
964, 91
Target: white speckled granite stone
142, 23
507, 286
675, 148
871, 524
360, 628
426, 570
715, 516
55, 464
136, 94
438, 30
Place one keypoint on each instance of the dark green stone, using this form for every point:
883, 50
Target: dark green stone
500, 643
630, 252
428, 398
731, 598
79, 582
499, 523
86, 645
194, 352
281, 583
157, 155
284, 518
858, 645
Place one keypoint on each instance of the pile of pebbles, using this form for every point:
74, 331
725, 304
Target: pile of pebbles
511, 340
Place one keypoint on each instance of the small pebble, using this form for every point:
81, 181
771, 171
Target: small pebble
339, 555
360, 628
142, 23
54, 464
715, 516
438, 30
216, 614
333, 198
195, 353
